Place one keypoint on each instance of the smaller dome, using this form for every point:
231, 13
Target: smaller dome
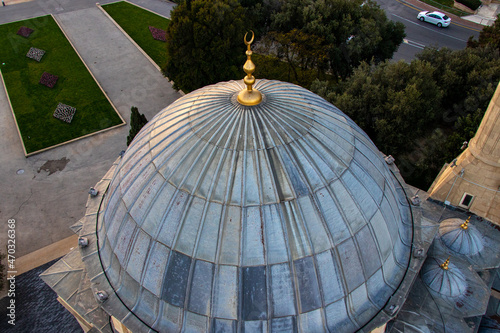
447, 282
464, 240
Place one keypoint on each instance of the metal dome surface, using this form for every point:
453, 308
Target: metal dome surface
467, 241
276, 217
448, 282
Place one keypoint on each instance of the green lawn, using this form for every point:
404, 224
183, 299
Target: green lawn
34, 103
136, 21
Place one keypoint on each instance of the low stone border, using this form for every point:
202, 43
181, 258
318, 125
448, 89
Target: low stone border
88, 69
142, 7
13, 114
75, 139
133, 41
126, 34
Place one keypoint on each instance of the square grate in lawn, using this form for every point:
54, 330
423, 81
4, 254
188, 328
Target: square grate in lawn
24, 31
64, 112
158, 34
35, 54
48, 79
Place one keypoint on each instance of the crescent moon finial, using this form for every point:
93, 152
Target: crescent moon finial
251, 40
249, 96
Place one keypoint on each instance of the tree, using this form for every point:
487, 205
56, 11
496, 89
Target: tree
205, 43
420, 112
393, 102
490, 35
468, 78
260, 12
352, 31
300, 51
137, 121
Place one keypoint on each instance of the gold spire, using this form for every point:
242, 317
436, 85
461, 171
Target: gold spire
465, 225
445, 264
249, 96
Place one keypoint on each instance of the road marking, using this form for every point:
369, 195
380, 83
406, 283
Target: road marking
409, 6
413, 43
464, 26
420, 10
433, 30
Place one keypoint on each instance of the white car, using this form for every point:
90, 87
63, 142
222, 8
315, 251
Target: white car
437, 18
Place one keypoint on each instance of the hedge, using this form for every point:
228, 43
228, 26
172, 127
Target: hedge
472, 4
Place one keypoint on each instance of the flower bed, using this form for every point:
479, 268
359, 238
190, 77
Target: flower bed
158, 34
64, 112
24, 31
48, 79
35, 54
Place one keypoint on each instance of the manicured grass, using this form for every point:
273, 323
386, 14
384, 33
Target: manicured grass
34, 103
136, 21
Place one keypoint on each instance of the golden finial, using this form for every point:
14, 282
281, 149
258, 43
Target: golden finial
465, 225
249, 96
445, 264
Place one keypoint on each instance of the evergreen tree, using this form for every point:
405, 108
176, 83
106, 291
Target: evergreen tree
137, 121
205, 43
422, 112
352, 31
490, 35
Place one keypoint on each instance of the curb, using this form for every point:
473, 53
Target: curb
12, 112
422, 6
129, 38
133, 41
43, 255
100, 87
26, 154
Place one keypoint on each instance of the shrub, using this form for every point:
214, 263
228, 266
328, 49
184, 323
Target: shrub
472, 4
137, 121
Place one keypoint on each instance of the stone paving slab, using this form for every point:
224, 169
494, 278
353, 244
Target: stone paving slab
157, 6
125, 74
47, 193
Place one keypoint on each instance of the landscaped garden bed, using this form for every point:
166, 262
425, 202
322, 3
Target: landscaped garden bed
146, 28
35, 55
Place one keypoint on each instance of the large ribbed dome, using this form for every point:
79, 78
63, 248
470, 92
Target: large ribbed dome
279, 217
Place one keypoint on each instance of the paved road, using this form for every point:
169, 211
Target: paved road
419, 34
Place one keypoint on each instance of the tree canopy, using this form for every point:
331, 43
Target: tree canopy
351, 31
393, 102
490, 35
420, 112
205, 43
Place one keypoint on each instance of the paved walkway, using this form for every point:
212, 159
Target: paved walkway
454, 18
486, 14
46, 193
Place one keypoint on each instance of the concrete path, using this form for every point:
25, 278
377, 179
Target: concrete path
17, 10
158, 6
47, 193
125, 74
486, 14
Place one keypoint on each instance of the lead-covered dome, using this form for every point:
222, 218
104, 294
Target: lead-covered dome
279, 217
460, 237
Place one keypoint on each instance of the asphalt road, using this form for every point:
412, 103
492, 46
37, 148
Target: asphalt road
421, 34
